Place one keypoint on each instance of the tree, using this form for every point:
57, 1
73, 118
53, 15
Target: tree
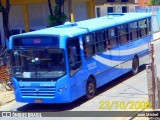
5, 13
50, 7
57, 17
154, 2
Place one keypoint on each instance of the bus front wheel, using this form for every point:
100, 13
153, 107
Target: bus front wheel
135, 65
90, 88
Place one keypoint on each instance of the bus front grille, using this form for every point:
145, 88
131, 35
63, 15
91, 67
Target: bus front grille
39, 92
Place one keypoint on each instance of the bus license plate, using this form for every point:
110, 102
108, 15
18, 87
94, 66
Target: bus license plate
38, 100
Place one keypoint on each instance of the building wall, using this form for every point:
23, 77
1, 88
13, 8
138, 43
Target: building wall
16, 16
38, 14
143, 2
80, 11
103, 7
101, 2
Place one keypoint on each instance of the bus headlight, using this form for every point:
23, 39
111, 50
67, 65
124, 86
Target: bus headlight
62, 90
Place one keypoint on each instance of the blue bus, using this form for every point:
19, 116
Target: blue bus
63, 63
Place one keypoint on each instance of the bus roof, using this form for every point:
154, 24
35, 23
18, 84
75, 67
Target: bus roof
83, 27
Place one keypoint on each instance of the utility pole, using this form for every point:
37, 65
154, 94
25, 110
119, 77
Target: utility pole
70, 7
153, 76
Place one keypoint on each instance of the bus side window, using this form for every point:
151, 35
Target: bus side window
74, 54
133, 31
89, 45
112, 38
148, 29
143, 28
17, 56
123, 34
100, 41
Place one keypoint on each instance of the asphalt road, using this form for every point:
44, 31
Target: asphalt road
123, 89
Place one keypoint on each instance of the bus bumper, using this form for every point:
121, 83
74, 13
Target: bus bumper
41, 92
63, 98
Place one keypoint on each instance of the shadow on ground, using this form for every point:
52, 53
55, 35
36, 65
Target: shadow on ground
70, 106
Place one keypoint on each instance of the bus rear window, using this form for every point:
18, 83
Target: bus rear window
36, 41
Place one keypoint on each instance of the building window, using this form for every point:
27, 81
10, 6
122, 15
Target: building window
110, 10
98, 12
124, 9
124, 0
110, 0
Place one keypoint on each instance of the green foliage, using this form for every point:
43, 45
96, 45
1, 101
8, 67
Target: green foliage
57, 18
154, 2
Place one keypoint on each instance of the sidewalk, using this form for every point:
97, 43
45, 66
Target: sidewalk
6, 97
156, 36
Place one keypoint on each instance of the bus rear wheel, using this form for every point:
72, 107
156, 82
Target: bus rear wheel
91, 88
135, 65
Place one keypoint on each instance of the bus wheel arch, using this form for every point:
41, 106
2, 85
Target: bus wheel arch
91, 88
135, 65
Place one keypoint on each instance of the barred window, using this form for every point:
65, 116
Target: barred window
142, 28
123, 34
133, 27
112, 38
100, 41
74, 56
89, 46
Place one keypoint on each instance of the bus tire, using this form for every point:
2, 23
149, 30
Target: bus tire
135, 65
91, 88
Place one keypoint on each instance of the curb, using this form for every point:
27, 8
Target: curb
156, 39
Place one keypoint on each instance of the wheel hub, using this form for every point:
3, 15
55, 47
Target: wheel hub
91, 88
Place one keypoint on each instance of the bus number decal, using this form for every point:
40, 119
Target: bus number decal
24, 84
92, 65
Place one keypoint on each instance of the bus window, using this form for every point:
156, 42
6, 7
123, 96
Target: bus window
148, 24
89, 46
112, 38
100, 41
123, 34
38, 63
74, 55
133, 31
17, 58
142, 27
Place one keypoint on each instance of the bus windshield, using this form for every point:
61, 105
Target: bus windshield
38, 63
